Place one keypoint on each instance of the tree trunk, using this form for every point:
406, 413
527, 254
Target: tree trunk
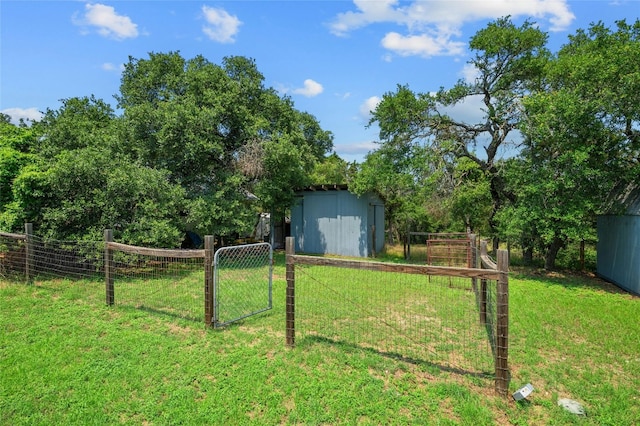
496, 244
552, 253
527, 255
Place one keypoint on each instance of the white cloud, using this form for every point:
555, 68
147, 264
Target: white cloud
421, 45
368, 106
107, 22
311, 88
108, 66
469, 73
369, 12
356, 148
221, 26
433, 26
28, 114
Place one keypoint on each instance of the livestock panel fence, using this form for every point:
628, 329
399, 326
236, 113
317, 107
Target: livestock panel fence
453, 318
441, 249
178, 283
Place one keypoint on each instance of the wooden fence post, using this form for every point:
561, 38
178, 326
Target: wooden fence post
108, 267
502, 328
291, 301
209, 314
29, 266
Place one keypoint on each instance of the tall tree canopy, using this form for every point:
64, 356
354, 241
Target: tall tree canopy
582, 139
509, 62
220, 133
574, 117
195, 142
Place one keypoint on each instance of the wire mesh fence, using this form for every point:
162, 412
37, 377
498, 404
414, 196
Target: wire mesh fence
409, 315
12, 255
162, 284
29, 257
174, 282
441, 249
447, 317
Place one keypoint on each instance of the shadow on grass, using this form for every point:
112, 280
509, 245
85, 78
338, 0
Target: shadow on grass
311, 339
167, 313
568, 279
160, 312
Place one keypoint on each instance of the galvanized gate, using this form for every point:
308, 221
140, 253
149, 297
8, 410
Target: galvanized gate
242, 282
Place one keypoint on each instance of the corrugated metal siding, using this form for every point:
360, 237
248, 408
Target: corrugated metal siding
335, 222
619, 251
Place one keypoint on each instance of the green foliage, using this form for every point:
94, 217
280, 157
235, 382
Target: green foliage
11, 162
509, 61
79, 123
86, 191
470, 199
220, 133
287, 167
19, 138
30, 194
332, 170
194, 141
15, 145
581, 141
400, 175
226, 209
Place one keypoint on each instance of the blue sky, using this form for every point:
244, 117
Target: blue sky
335, 59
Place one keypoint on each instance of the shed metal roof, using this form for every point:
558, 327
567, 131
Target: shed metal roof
326, 187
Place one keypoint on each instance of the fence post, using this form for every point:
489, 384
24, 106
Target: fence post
473, 260
291, 301
28, 251
209, 315
108, 267
483, 287
373, 241
502, 328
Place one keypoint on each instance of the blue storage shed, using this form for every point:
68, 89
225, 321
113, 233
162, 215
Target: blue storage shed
618, 246
328, 219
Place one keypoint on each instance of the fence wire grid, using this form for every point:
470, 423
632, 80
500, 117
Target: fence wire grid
50, 259
432, 319
167, 285
171, 285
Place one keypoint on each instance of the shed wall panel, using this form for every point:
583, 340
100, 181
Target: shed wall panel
336, 222
618, 251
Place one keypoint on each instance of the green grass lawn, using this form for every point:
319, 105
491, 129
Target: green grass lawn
66, 358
